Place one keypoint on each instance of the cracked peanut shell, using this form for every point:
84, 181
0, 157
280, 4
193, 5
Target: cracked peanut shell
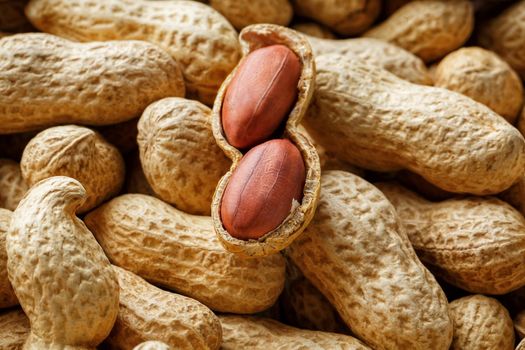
253, 38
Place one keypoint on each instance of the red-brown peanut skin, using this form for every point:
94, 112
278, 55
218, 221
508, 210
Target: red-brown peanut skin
260, 95
261, 191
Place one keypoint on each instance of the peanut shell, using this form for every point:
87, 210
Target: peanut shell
313, 29
356, 252
12, 184
14, 329
93, 83
252, 38
7, 295
152, 345
180, 251
242, 13
519, 324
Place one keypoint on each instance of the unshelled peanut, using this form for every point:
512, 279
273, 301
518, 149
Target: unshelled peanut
483, 76
261, 333
77, 152
429, 29
474, 243
14, 329
480, 323
149, 313
369, 117
92, 83
198, 37
178, 153
242, 13
76, 302
7, 295
356, 252
12, 184
180, 251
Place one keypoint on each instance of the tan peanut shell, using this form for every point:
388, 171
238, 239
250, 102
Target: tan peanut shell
355, 251
242, 13
63, 280
521, 345
483, 76
241, 332
342, 16
474, 243
313, 29
369, 117
481, 323
202, 41
152, 345
7, 295
519, 324
253, 38
93, 83
14, 329
504, 34
77, 152
388, 56
149, 313
180, 251
428, 29
179, 155
12, 184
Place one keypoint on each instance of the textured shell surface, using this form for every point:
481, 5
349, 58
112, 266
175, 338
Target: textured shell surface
147, 313
91, 83
474, 243
202, 41
48, 247
428, 29
7, 295
242, 13
260, 333
356, 252
12, 184
77, 152
481, 323
14, 329
179, 156
181, 252
313, 29
368, 117
390, 57
483, 76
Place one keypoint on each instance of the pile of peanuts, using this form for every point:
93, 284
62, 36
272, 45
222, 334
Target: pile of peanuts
262, 174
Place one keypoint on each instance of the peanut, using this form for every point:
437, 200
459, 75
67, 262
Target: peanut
253, 38
149, 313
263, 190
180, 251
370, 118
376, 52
152, 345
521, 345
454, 238
77, 152
7, 295
242, 13
428, 29
343, 17
483, 76
314, 29
14, 329
355, 251
260, 333
271, 74
519, 324
198, 37
481, 323
93, 83
12, 184
504, 35
179, 155
49, 247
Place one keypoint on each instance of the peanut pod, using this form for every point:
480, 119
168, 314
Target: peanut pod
356, 252
252, 38
368, 117
196, 36
93, 83
76, 302
242, 13
152, 345
7, 295
261, 333
180, 251
14, 329
149, 313
474, 243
